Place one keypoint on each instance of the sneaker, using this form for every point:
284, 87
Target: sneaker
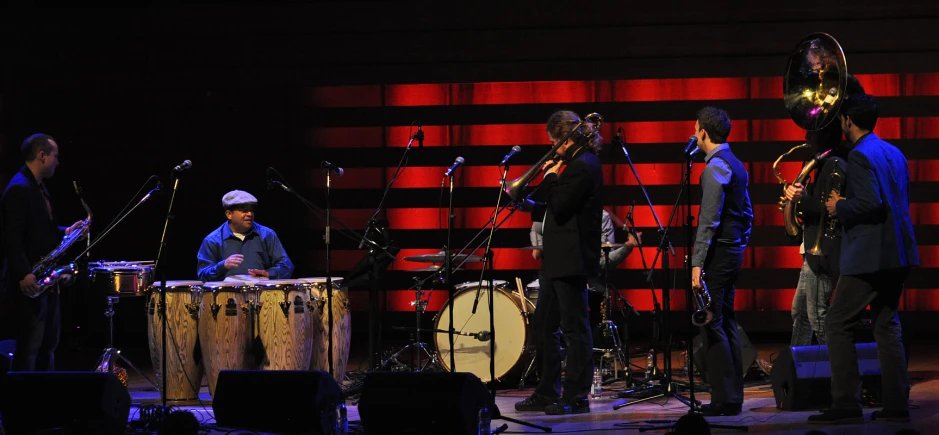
765, 366
568, 406
892, 415
838, 416
535, 402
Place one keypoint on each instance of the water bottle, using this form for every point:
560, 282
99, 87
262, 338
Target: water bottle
342, 419
597, 388
484, 420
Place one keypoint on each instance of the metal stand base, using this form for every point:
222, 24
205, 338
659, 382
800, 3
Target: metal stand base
614, 355
670, 391
112, 354
433, 359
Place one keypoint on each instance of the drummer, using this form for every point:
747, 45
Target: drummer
241, 246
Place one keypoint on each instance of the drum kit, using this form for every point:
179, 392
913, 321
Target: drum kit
242, 323
513, 311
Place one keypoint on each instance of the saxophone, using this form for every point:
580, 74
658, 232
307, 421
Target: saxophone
47, 270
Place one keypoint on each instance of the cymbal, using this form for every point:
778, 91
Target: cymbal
609, 245
439, 258
532, 248
431, 269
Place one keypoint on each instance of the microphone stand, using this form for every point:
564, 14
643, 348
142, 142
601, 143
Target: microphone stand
160, 273
689, 243
667, 388
329, 282
448, 274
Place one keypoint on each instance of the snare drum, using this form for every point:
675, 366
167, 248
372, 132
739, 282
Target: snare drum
285, 317
224, 323
183, 372
342, 327
131, 278
514, 342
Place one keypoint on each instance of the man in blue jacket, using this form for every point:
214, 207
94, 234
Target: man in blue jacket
241, 246
877, 250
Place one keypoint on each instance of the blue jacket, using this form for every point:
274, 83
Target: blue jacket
878, 232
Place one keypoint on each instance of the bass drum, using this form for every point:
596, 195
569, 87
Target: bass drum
514, 340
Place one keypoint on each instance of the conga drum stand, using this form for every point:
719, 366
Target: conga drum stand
111, 354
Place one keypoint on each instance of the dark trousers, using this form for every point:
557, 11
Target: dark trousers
853, 294
724, 363
562, 311
37, 331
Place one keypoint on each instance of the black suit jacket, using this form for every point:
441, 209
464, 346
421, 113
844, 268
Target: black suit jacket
572, 221
29, 232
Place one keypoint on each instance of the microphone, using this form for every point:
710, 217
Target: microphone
272, 184
183, 166
692, 147
829, 99
336, 169
456, 164
420, 136
515, 150
629, 214
618, 138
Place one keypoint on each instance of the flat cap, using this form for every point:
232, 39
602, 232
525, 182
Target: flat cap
236, 197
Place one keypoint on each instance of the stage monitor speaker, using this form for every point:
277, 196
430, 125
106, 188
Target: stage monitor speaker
277, 400
69, 402
801, 375
423, 403
747, 352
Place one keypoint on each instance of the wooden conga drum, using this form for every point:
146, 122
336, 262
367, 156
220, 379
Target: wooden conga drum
183, 372
342, 327
224, 322
284, 322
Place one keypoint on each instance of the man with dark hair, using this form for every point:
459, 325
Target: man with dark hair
29, 233
877, 251
241, 246
724, 223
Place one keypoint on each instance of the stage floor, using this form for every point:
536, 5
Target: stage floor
759, 412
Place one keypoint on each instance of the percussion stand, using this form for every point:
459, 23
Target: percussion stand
105, 362
609, 327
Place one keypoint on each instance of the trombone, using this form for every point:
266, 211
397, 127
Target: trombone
515, 187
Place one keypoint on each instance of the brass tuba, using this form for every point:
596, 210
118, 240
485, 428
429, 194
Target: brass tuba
814, 87
515, 187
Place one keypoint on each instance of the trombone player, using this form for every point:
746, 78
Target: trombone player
724, 223
571, 257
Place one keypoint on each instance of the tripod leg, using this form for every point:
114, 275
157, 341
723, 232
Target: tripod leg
531, 365
132, 366
525, 423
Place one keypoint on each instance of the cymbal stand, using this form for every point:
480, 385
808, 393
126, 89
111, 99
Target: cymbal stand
107, 360
418, 347
608, 328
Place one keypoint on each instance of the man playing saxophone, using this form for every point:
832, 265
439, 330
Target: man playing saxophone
29, 233
820, 248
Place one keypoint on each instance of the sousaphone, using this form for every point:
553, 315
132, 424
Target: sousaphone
814, 86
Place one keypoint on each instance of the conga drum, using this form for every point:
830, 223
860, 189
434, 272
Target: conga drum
183, 370
342, 327
224, 322
285, 323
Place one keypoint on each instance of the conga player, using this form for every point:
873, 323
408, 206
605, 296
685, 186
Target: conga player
241, 246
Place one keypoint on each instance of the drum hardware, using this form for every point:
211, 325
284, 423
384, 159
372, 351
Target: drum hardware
615, 353
215, 306
441, 257
106, 363
417, 345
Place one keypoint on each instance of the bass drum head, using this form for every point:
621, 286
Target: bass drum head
472, 355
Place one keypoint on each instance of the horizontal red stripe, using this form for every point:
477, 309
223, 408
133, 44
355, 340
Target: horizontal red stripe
513, 258
546, 92
641, 299
772, 130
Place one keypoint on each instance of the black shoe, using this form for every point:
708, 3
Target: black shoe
838, 416
535, 402
718, 409
892, 416
568, 406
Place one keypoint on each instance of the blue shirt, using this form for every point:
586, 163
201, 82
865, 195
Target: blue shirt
261, 249
716, 174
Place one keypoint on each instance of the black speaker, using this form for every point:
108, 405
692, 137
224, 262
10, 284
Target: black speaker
276, 400
423, 403
801, 375
77, 402
747, 352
